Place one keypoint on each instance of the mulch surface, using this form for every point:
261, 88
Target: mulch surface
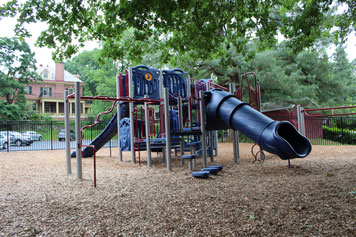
315, 197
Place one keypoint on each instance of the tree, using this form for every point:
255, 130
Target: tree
343, 72
99, 75
307, 78
17, 69
86, 64
198, 27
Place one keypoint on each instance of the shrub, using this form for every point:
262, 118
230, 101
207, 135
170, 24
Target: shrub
344, 136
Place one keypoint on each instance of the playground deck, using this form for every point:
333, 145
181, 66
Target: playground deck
316, 197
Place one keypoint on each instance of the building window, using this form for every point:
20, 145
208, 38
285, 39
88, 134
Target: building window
70, 90
45, 74
50, 107
34, 107
28, 90
45, 91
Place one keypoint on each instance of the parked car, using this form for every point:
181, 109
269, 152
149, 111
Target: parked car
3, 142
17, 138
33, 135
62, 135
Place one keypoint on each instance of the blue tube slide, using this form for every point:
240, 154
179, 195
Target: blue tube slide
278, 137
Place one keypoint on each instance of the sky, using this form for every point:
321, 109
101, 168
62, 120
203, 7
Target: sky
44, 55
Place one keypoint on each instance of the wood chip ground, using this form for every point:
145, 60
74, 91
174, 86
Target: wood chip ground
316, 197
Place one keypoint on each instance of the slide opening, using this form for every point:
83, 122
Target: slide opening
298, 142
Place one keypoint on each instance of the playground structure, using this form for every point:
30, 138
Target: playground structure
189, 114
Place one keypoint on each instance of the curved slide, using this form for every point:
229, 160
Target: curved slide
105, 136
278, 137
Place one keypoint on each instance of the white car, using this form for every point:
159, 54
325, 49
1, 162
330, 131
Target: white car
3, 142
17, 138
33, 135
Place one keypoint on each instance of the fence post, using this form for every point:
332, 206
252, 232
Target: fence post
91, 132
51, 135
342, 129
8, 136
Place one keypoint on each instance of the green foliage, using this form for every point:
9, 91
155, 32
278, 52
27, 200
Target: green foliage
17, 69
344, 136
99, 75
343, 123
343, 72
195, 28
10, 111
309, 77
93, 69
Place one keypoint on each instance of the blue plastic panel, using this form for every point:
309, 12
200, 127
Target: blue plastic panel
176, 82
145, 81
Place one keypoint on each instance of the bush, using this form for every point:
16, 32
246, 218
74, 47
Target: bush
345, 122
344, 136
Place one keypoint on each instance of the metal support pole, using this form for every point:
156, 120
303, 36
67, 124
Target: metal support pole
301, 124
203, 130
216, 142
237, 146
168, 129
77, 131
235, 134
210, 133
118, 116
148, 143
302, 120
298, 118
259, 97
67, 130
160, 89
189, 90
132, 127
180, 113
211, 146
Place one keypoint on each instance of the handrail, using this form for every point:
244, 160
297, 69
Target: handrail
305, 111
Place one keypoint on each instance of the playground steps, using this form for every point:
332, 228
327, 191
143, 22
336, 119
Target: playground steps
219, 167
201, 174
190, 158
205, 172
213, 171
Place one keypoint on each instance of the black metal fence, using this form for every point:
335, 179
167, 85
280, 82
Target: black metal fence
339, 130
44, 135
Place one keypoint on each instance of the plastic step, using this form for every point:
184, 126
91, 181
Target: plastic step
201, 174
219, 167
211, 170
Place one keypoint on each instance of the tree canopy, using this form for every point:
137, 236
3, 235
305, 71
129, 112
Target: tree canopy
17, 68
199, 27
309, 78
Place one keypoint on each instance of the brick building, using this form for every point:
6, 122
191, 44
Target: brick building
46, 97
